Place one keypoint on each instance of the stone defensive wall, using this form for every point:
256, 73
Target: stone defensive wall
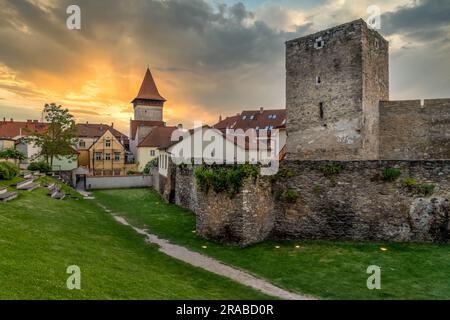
412, 130
405, 201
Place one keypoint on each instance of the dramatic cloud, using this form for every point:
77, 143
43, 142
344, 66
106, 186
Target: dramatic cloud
209, 57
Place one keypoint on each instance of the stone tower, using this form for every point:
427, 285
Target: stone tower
148, 105
335, 80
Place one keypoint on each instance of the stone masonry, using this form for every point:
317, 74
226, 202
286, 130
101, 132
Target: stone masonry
334, 82
356, 204
339, 114
338, 108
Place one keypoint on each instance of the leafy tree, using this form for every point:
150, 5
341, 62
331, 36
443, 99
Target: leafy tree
11, 154
57, 140
40, 166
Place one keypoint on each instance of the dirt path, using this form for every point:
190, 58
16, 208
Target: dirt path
199, 260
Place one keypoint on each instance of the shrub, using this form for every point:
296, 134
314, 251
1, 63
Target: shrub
8, 171
426, 189
223, 178
40, 166
150, 165
132, 172
290, 196
331, 169
391, 174
11, 154
409, 183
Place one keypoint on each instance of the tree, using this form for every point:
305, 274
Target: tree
57, 140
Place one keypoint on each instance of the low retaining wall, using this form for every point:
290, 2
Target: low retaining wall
356, 204
118, 182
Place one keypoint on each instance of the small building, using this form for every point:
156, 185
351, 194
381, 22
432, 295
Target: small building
272, 121
201, 145
89, 133
12, 135
6, 143
149, 148
107, 156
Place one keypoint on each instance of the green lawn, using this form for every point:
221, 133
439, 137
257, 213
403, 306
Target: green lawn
40, 237
332, 270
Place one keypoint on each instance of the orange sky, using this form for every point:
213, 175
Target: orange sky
208, 57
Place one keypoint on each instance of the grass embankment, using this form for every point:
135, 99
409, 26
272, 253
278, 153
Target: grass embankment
326, 269
40, 237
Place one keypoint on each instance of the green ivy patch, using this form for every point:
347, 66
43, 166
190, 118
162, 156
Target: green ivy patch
224, 178
331, 169
391, 174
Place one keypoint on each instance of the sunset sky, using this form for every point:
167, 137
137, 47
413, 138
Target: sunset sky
208, 57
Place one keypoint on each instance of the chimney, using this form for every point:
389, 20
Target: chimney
12, 120
29, 121
112, 125
4, 119
179, 126
220, 118
36, 121
261, 110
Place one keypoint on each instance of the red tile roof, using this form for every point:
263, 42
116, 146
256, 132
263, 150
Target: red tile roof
148, 90
261, 119
95, 131
159, 137
11, 129
227, 123
134, 124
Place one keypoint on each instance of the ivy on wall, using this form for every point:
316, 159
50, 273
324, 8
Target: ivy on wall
227, 179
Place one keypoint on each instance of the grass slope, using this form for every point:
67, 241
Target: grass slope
40, 237
334, 270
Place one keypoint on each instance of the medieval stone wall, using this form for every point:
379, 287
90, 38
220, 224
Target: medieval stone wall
356, 204
244, 219
409, 130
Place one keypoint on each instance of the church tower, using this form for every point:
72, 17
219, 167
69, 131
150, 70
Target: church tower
148, 105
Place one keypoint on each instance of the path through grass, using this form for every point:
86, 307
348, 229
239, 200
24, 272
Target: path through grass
40, 237
321, 268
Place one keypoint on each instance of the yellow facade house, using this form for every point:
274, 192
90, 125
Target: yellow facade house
107, 156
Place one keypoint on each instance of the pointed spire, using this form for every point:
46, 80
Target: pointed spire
148, 90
